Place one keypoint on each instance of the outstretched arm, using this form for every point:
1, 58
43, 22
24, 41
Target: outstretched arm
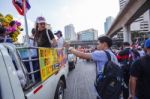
80, 54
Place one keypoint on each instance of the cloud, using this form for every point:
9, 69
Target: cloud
88, 14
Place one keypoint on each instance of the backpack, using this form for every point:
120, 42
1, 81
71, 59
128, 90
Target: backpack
133, 56
109, 83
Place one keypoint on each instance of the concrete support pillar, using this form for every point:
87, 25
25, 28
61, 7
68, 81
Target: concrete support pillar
127, 34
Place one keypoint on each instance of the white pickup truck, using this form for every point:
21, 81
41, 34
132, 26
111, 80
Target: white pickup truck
18, 82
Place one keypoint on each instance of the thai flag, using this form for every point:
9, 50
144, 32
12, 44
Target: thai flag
137, 43
27, 5
19, 4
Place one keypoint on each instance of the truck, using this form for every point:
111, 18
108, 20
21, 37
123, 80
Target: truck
23, 76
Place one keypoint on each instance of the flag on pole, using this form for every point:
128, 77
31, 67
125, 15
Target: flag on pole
137, 43
19, 5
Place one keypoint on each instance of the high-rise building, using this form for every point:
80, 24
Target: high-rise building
142, 24
108, 23
88, 35
70, 34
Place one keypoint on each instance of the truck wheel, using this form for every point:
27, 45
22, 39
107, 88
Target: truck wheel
59, 94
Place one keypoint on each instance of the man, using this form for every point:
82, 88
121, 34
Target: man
124, 59
123, 55
99, 56
141, 51
43, 37
139, 83
71, 61
60, 41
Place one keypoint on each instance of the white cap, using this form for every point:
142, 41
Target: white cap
40, 19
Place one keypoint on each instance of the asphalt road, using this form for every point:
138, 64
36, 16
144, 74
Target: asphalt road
80, 81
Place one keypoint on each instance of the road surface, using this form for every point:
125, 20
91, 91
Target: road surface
80, 81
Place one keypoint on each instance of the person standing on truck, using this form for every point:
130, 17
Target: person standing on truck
31, 38
33, 54
2, 34
32, 43
4, 37
43, 36
60, 41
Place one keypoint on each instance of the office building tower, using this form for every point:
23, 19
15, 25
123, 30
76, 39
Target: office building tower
108, 23
70, 34
88, 35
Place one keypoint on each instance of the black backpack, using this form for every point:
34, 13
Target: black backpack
134, 55
109, 83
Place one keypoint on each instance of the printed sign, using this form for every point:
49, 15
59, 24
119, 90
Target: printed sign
50, 61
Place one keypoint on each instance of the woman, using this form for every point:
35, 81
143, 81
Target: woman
43, 37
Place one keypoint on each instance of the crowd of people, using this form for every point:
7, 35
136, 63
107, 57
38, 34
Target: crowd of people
134, 62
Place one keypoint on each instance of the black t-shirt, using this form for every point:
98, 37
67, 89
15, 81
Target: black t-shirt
42, 39
141, 70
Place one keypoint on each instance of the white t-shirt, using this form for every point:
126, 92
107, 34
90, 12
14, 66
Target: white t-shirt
71, 57
142, 53
60, 42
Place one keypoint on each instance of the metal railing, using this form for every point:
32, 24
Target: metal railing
27, 57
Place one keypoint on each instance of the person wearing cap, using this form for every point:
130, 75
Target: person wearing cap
60, 41
139, 82
141, 51
43, 36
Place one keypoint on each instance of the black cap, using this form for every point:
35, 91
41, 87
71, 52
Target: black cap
58, 32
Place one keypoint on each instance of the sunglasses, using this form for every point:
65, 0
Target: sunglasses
42, 23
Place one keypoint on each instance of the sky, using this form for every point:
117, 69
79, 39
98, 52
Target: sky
83, 14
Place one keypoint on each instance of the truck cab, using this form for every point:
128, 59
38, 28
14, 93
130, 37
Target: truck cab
23, 76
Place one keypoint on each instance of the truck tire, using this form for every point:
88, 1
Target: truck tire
59, 94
